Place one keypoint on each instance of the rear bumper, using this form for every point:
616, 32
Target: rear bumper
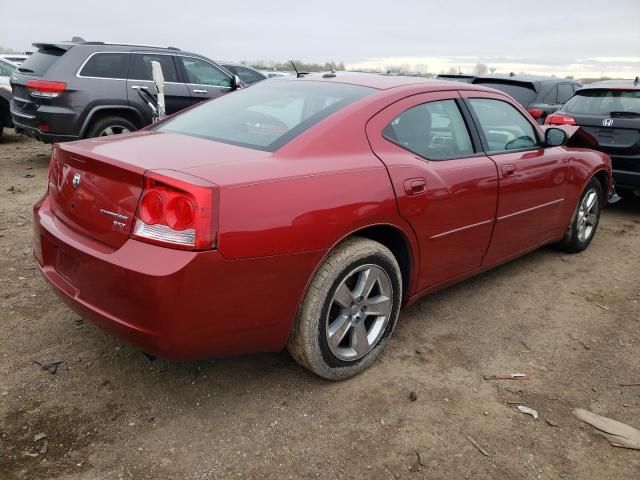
60, 122
174, 304
626, 171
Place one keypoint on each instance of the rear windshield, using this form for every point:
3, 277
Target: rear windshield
38, 63
523, 93
267, 115
604, 102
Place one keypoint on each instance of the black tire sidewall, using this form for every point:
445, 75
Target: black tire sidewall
105, 122
374, 259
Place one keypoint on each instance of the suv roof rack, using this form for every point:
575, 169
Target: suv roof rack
130, 45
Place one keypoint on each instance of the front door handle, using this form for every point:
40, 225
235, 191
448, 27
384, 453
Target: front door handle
199, 91
139, 87
508, 170
415, 186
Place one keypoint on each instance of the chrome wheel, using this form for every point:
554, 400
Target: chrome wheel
114, 130
588, 215
359, 312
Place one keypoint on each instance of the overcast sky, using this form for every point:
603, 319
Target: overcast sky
561, 37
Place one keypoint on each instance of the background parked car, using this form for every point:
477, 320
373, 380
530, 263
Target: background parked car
15, 58
456, 77
539, 95
247, 74
6, 69
274, 73
71, 90
610, 112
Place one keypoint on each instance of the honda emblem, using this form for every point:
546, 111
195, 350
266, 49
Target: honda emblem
607, 122
76, 180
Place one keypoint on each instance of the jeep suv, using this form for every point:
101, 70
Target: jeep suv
72, 90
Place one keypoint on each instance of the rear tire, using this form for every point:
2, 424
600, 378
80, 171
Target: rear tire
349, 311
1, 133
585, 219
111, 125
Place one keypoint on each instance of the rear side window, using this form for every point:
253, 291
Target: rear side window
141, 68
434, 130
106, 65
604, 102
523, 93
266, 116
38, 63
503, 126
246, 74
565, 91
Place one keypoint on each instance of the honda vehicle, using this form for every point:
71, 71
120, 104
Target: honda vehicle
71, 90
304, 212
6, 69
610, 112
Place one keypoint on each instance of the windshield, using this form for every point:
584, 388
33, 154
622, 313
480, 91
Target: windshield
604, 102
267, 115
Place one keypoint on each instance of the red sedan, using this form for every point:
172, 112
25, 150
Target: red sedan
304, 212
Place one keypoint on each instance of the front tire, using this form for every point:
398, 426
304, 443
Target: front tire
584, 222
349, 311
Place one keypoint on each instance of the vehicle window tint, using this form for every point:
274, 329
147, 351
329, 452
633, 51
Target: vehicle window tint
603, 102
504, 127
524, 93
434, 130
5, 69
141, 69
203, 73
107, 65
266, 116
38, 63
247, 75
564, 92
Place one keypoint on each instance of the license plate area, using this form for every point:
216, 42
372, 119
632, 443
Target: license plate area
66, 266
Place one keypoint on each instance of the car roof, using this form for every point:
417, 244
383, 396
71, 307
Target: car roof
614, 85
378, 81
66, 45
524, 78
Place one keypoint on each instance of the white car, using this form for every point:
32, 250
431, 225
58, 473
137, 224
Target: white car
6, 69
15, 58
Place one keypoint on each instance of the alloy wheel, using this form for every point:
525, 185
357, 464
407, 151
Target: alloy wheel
588, 215
359, 312
114, 130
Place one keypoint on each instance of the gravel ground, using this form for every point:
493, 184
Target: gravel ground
570, 322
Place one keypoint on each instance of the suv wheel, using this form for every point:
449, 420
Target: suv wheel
110, 126
349, 311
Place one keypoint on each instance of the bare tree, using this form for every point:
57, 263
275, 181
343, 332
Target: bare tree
452, 71
480, 69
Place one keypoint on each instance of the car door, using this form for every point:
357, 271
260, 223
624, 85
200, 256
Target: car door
204, 79
532, 178
445, 186
176, 93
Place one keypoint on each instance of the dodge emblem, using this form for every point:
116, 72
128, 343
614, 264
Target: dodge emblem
607, 122
76, 180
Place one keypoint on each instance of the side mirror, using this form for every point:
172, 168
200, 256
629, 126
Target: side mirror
555, 137
235, 82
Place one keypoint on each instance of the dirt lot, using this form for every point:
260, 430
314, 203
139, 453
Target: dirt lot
571, 322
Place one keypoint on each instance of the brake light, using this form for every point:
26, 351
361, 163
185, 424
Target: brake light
559, 119
45, 88
177, 210
535, 112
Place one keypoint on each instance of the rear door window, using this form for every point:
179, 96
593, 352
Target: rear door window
141, 67
434, 130
565, 91
503, 126
38, 63
107, 65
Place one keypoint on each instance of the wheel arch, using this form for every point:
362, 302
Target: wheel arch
603, 177
130, 113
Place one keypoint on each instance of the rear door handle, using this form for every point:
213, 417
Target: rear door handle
415, 186
508, 170
199, 91
139, 87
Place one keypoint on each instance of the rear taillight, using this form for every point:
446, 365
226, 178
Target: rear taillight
177, 210
535, 112
55, 170
559, 119
45, 88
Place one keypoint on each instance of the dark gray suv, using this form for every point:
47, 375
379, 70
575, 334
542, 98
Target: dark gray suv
68, 90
